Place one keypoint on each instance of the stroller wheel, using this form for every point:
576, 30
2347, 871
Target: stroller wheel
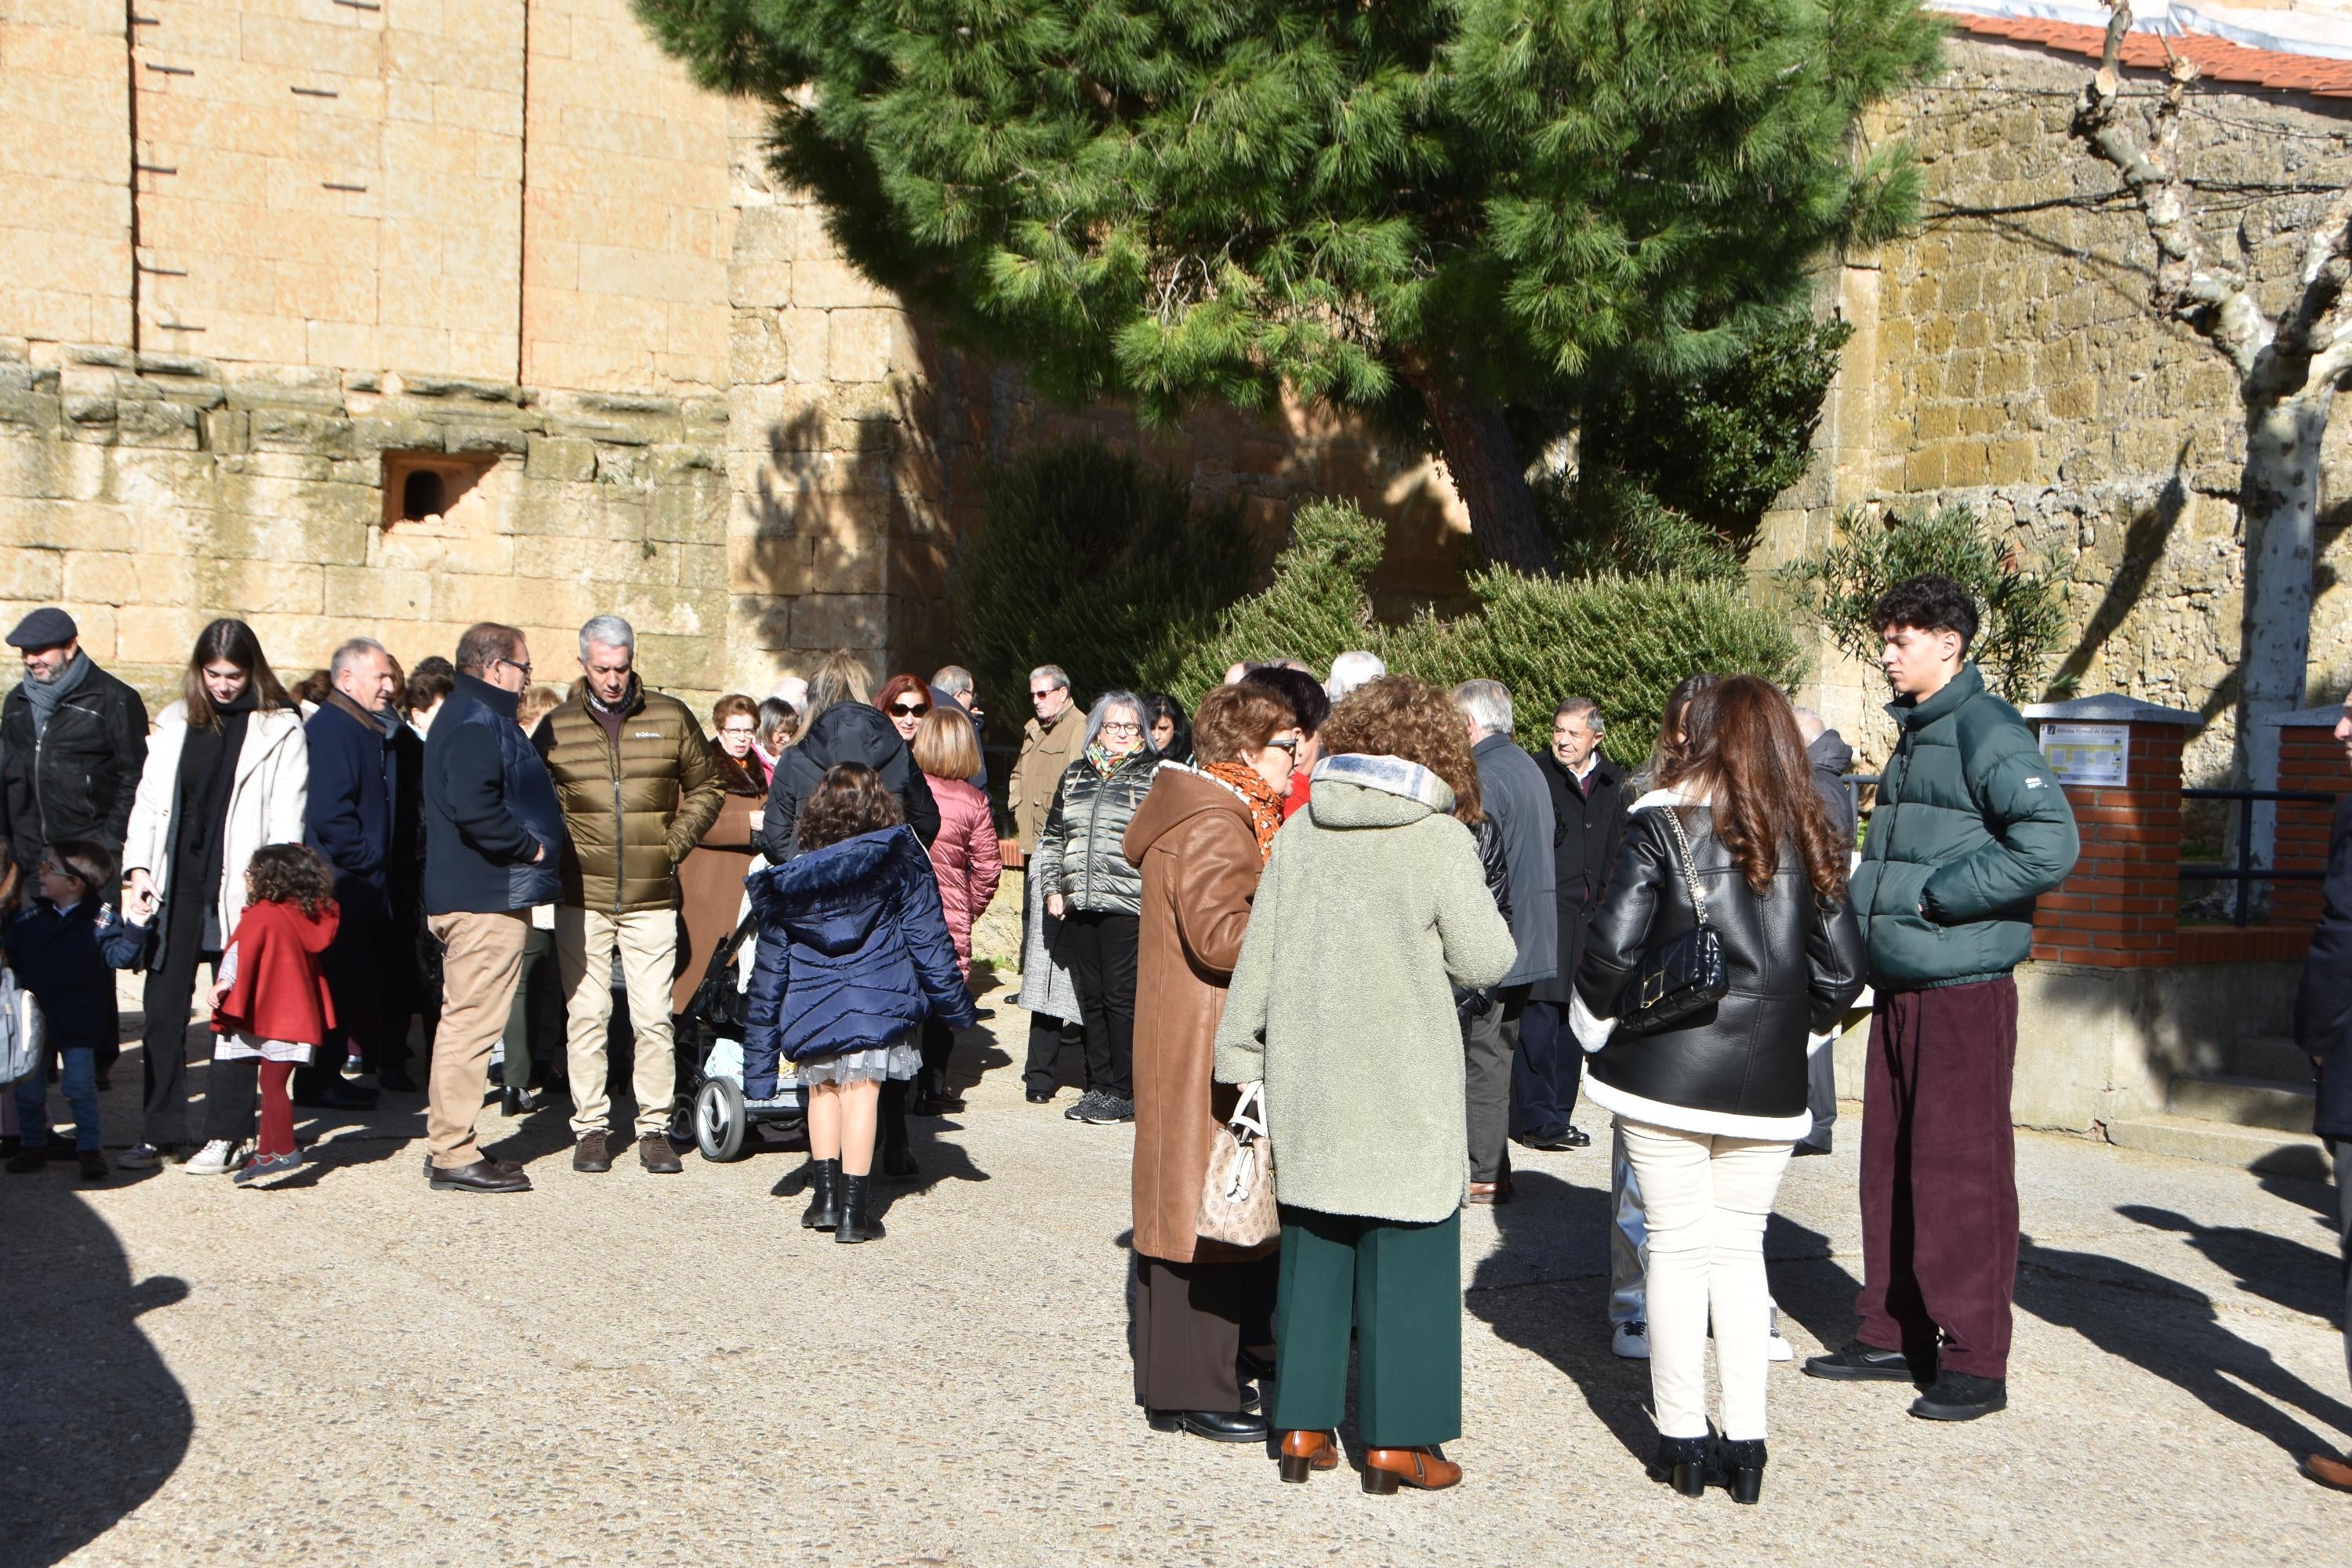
719, 1124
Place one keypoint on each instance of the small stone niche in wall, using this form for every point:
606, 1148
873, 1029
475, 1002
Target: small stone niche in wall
436, 493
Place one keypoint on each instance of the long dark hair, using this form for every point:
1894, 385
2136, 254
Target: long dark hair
849, 800
1744, 753
234, 642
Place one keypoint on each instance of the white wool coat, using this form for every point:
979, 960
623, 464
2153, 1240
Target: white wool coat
267, 801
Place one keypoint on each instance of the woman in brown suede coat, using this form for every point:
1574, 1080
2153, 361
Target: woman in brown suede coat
1201, 839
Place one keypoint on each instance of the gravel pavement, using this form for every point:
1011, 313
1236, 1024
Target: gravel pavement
630, 1369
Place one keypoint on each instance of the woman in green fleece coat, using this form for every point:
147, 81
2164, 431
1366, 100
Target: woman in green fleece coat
1371, 909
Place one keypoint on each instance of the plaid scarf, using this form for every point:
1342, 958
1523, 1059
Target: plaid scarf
1265, 805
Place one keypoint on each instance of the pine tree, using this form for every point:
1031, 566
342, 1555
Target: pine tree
1436, 207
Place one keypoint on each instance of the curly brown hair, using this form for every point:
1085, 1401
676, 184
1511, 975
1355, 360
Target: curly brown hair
1234, 720
1397, 716
290, 874
849, 800
1746, 757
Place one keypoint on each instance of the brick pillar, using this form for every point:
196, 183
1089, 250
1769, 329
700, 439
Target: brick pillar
2121, 907
2310, 757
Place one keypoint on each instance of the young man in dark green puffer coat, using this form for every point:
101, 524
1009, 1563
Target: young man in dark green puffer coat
1969, 829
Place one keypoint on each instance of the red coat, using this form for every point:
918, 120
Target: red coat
278, 993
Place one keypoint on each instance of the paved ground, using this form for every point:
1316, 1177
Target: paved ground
625, 1369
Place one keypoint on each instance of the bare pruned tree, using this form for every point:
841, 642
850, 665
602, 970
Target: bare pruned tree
2289, 366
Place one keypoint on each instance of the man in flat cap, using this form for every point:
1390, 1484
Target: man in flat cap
72, 740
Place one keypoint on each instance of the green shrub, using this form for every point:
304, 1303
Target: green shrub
1315, 609
1612, 525
1087, 559
2022, 607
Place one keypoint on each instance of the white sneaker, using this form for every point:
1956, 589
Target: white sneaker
1632, 1340
1778, 1349
218, 1158
139, 1157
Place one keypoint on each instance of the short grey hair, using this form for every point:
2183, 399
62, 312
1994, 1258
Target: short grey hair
952, 678
351, 652
1057, 675
1582, 707
608, 631
1351, 669
1488, 703
1104, 704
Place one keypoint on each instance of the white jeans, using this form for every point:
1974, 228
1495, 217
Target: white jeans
1706, 1199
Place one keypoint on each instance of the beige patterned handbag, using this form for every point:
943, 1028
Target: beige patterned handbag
1237, 1196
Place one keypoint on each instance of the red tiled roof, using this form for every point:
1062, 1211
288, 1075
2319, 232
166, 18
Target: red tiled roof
2217, 59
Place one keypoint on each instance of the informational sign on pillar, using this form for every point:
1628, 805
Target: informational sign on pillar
2088, 756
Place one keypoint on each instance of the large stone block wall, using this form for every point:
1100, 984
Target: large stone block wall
2006, 357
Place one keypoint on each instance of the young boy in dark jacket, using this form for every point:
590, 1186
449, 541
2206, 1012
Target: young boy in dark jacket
64, 950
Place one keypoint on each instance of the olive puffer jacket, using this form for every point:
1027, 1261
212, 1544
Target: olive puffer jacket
1078, 854
1969, 829
634, 809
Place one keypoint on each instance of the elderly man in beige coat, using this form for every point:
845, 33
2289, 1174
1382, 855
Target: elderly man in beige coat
1050, 742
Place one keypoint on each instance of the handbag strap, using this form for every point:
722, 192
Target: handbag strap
1248, 1120
1685, 862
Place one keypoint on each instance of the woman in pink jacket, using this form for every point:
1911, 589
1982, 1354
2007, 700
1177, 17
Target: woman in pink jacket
965, 856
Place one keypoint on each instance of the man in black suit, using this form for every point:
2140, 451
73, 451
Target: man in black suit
2323, 1027
1588, 804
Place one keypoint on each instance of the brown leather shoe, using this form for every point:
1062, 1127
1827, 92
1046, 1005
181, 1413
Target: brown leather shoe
591, 1154
1304, 1451
481, 1176
2329, 1472
1386, 1468
655, 1153
1491, 1192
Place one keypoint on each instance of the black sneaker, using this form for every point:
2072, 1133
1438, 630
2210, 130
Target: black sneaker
1961, 1397
1859, 1363
1109, 1110
1084, 1111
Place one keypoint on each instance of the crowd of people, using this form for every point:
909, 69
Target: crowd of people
1215, 902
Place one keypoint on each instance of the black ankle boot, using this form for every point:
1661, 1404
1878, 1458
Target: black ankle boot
1740, 1467
1682, 1463
857, 1221
825, 1203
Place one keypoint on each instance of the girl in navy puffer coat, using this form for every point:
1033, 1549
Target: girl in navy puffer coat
854, 954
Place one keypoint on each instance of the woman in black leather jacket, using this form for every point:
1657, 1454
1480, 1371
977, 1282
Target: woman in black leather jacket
1710, 1104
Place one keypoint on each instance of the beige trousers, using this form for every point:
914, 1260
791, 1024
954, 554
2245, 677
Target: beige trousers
482, 960
584, 941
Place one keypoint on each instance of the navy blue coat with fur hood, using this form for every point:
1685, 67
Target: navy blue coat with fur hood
854, 953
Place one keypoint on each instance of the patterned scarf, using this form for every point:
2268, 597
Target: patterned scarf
1265, 805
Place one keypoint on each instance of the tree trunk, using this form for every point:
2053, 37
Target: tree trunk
2278, 502
1487, 473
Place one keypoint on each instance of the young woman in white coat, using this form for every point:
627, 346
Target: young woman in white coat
227, 771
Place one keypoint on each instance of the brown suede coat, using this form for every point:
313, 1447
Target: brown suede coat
1192, 841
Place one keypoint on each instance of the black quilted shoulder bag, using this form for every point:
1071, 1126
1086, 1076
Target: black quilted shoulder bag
1683, 973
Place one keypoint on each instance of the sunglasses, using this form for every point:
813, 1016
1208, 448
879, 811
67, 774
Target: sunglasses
1041, 696
1288, 744
909, 710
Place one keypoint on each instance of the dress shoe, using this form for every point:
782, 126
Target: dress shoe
1739, 1468
654, 1154
1306, 1451
591, 1154
824, 1195
1254, 1366
1491, 1193
521, 1101
2329, 1472
481, 1176
337, 1095
1683, 1463
1387, 1468
1859, 1363
93, 1163
1041, 1097
1217, 1425
857, 1221
1557, 1139
1961, 1397
1803, 1149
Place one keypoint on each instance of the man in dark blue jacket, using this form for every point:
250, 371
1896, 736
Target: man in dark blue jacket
493, 838
347, 814
2323, 1027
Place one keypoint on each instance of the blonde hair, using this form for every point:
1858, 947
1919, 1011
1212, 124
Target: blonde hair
944, 746
842, 678
535, 704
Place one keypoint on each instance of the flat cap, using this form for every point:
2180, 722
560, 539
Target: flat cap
48, 627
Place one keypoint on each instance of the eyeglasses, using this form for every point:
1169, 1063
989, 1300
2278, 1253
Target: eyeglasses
510, 664
1121, 727
909, 710
1285, 742
746, 731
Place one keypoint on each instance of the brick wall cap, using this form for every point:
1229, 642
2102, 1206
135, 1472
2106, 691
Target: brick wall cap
2114, 708
2309, 718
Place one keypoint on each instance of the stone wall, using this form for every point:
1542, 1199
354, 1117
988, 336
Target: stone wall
2006, 356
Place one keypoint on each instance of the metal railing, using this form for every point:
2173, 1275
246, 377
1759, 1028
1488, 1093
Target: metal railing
2238, 869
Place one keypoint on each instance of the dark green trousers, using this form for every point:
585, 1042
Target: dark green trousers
1400, 1286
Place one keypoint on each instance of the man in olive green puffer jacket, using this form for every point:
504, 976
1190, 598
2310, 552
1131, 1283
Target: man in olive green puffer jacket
638, 786
1969, 829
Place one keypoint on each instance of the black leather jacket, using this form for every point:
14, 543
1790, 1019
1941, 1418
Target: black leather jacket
77, 781
1492, 860
1794, 967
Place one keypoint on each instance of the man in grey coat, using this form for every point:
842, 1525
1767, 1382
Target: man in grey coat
1512, 790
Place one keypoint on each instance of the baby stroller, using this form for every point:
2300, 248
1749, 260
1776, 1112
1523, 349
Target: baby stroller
710, 1060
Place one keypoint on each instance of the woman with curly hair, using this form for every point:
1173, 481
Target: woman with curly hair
270, 998
854, 955
1362, 1061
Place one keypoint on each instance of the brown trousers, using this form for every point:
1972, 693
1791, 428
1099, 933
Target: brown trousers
1191, 1323
481, 960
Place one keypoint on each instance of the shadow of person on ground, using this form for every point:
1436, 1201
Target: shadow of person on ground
98, 1422
2175, 1333
2299, 1277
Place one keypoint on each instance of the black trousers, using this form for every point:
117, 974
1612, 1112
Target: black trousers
1546, 1073
360, 1015
1101, 950
171, 991
1191, 1321
231, 1090
1042, 1073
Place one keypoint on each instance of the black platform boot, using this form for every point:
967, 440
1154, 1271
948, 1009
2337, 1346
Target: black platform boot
1683, 1463
857, 1221
825, 1206
1740, 1466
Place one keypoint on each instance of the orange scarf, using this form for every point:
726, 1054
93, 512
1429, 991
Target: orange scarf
1265, 805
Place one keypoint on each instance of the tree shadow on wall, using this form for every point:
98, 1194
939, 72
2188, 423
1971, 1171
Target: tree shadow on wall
2145, 537
97, 1423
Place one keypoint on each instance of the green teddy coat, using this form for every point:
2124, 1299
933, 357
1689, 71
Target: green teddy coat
1970, 827
1373, 908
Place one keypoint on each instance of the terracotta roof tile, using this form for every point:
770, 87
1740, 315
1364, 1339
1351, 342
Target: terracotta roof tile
2217, 58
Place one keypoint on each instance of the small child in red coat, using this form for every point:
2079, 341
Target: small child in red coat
271, 1000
